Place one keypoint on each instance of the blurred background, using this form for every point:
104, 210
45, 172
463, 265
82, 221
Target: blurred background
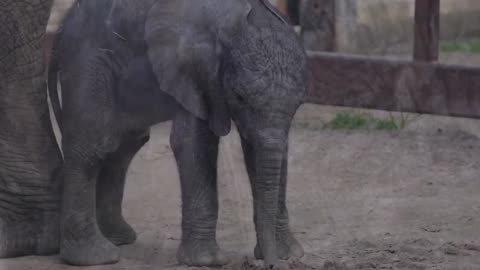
383, 28
369, 27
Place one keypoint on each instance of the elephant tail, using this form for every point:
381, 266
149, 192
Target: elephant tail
53, 70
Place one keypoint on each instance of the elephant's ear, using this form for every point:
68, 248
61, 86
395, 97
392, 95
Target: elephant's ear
185, 60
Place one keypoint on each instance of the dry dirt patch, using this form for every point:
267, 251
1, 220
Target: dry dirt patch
404, 199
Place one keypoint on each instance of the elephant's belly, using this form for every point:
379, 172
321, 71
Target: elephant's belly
165, 109
149, 106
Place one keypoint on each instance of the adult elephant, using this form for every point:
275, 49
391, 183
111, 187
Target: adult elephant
128, 64
29, 156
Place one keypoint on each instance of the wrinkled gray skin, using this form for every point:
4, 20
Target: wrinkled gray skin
128, 64
29, 155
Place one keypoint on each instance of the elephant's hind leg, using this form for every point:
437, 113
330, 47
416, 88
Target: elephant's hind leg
82, 243
90, 131
110, 188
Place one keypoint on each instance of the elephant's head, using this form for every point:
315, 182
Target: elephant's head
235, 60
264, 77
224, 60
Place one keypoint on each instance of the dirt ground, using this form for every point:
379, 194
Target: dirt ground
406, 199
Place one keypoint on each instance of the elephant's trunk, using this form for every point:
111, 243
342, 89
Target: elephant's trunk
264, 154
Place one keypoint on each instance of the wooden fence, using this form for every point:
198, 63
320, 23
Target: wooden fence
422, 85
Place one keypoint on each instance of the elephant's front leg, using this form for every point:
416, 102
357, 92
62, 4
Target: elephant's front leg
82, 243
196, 149
110, 188
287, 246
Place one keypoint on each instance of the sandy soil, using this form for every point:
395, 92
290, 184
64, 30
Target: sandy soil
405, 199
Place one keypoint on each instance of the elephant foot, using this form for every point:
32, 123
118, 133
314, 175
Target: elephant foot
119, 232
201, 253
95, 250
23, 238
287, 248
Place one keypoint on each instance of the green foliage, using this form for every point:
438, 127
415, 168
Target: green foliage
387, 124
355, 120
349, 120
466, 46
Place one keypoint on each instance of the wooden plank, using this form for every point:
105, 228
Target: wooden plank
293, 7
427, 21
318, 20
394, 85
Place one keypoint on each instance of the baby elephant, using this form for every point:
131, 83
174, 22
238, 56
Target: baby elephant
125, 65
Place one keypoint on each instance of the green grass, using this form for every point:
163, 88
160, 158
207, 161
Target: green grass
387, 124
466, 46
355, 120
349, 120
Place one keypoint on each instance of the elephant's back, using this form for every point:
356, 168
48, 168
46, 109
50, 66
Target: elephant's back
86, 18
85, 24
107, 23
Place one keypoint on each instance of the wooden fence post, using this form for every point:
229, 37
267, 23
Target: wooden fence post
318, 21
427, 21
